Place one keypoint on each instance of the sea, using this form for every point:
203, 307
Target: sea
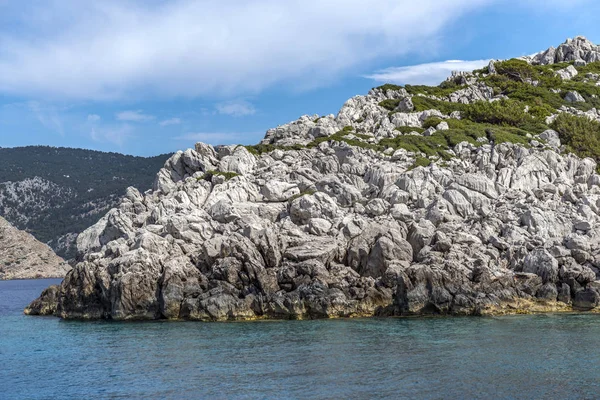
549, 356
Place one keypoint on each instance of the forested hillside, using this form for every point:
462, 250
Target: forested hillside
55, 193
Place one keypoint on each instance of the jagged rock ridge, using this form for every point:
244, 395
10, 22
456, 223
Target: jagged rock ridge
387, 208
23, 257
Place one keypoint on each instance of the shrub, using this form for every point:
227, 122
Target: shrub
420, 162
503, 112
209, 174
389, 86
443, 90
259, 149
340, 136
422, 103
389, 104
409, 129
431, 122
516, 70
593, 67
580, 134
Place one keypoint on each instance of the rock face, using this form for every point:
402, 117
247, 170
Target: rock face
318, 221
578, 49
23, 257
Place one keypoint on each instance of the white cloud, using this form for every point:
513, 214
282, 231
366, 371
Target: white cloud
171, 121
218, 137
48, 116
425, 74
93, 118
117, 135
236, 108
134, 116
113, 49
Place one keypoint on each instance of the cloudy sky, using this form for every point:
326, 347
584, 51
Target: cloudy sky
146, 77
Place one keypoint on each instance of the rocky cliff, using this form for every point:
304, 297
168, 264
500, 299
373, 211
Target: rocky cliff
23, 257
477, 196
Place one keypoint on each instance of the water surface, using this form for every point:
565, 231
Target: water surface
525, 357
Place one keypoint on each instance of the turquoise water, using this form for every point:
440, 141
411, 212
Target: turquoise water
543, 356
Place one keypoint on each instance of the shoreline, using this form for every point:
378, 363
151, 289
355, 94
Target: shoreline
534, 309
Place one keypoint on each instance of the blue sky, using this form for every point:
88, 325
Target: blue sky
149, 77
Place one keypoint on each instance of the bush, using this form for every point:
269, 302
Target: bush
209, 174
389, 104
259, 149
517, 70
431, 122
389, 86
503, 112
340, 136
442, 90
420, 162
422, 103
409, 129
580, 134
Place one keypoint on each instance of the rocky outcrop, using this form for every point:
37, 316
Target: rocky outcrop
319, 221
339, 230
578, 49
23, 257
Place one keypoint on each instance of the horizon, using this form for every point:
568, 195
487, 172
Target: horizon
146, 80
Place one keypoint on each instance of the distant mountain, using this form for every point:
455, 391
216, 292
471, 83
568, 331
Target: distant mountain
56, 193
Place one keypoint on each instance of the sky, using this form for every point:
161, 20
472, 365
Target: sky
147, 77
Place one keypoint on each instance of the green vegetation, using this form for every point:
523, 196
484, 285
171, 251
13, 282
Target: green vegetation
503, 112
259, 149
442, 90
423, 103
340, 136
390, 104
209, 174
431, 122
593, 67
409, 129
515, 79
389, 86
432, 146
420, 162
88, 183
579, 134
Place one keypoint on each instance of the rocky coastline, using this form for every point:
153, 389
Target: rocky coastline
409, 201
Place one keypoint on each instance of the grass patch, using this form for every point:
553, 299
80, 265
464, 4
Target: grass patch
259, 149
409, 129
340, 136
420, 162
209, 174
